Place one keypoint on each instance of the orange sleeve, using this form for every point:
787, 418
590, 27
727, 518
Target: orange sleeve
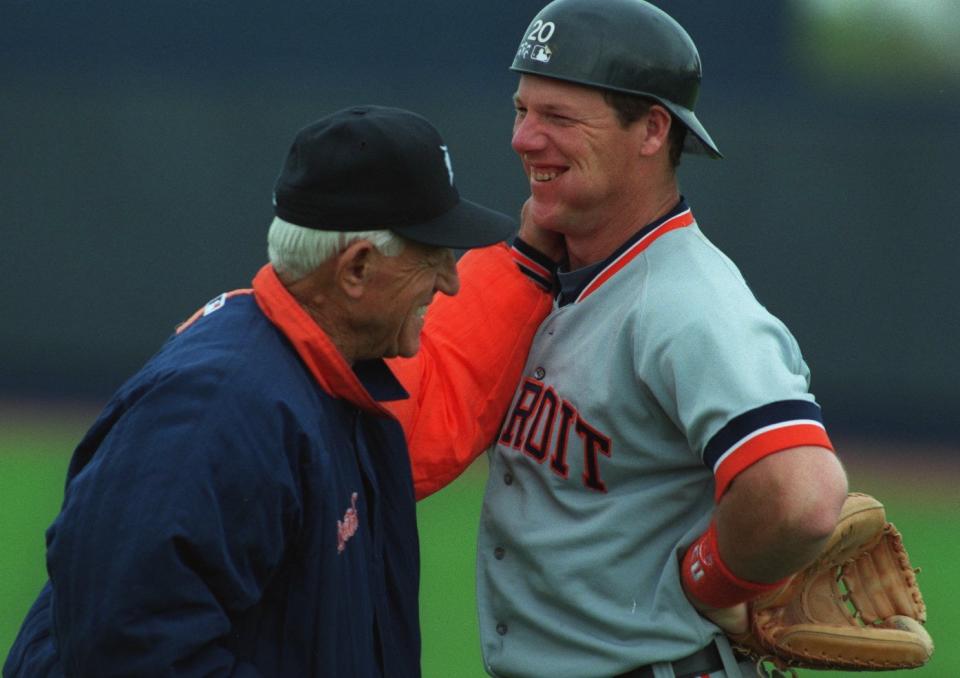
472, 352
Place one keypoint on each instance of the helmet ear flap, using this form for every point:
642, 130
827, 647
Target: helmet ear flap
625, 46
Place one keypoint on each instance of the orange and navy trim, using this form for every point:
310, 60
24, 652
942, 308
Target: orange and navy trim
679, 217
753, 435
534, 264
365, 384
316, 349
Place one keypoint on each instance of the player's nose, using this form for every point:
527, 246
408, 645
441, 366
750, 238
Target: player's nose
527, 135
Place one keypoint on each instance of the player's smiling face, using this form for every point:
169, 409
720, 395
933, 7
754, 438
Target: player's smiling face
404, 286
579, 160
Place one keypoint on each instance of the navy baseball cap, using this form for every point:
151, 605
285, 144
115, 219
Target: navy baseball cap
372, 167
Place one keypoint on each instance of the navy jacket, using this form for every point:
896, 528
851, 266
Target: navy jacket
228, 516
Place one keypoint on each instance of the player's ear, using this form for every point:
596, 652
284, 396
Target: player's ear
355, 268
654, 129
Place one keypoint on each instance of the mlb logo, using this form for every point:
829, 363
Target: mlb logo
541, 53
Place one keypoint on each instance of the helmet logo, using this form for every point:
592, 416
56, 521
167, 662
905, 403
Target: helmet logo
541, 53
533, 45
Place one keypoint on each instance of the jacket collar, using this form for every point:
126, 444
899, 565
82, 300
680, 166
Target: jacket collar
365, 384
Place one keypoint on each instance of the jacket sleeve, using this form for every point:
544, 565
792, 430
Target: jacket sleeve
472, 352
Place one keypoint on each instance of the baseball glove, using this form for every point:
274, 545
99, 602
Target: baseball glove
857, 607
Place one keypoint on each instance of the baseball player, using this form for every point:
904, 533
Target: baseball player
663, 460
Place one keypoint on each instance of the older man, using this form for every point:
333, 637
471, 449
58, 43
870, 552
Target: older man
244, 506
663, 461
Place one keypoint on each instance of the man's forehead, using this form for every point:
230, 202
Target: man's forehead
438, 256
552, 93
421, 253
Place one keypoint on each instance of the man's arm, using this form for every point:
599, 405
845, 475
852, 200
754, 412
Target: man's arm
772, 521
472, 352
778, 513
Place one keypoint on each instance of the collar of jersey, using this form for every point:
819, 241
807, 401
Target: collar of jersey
575, 286
364, 385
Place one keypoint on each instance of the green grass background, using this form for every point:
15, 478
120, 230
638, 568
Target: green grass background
923, 500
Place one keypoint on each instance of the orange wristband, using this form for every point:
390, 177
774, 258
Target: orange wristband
710, 581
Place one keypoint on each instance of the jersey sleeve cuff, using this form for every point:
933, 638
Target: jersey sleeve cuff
751, 436
534, 264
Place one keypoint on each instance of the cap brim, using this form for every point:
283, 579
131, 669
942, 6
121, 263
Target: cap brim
464, 226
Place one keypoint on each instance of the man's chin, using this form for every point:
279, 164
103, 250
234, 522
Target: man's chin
409, 350
545, 215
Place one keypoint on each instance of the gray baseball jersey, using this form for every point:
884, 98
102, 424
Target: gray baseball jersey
646, 390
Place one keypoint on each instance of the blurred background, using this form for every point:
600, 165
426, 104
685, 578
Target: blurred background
140, 143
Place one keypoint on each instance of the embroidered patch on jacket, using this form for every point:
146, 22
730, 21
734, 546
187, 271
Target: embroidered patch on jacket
347, 527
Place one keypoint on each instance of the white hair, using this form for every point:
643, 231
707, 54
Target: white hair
295, 251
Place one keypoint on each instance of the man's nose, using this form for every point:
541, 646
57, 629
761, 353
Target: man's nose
527, 135
448, 280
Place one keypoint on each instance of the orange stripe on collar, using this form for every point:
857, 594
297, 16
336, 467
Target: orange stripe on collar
683, 219
313, 345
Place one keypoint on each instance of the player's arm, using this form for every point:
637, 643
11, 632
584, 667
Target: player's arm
472, 351
772, 521
739, 386
776, 515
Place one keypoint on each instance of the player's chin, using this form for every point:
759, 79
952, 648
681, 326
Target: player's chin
547, 212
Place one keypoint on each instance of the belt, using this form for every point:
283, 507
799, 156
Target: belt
698, 664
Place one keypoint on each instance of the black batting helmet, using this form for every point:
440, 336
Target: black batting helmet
621, 45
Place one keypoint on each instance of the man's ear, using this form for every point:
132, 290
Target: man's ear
355, 268
654, 128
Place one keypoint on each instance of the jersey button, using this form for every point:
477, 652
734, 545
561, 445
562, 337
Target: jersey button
508, 479
499, 552
540, 373
502, 629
